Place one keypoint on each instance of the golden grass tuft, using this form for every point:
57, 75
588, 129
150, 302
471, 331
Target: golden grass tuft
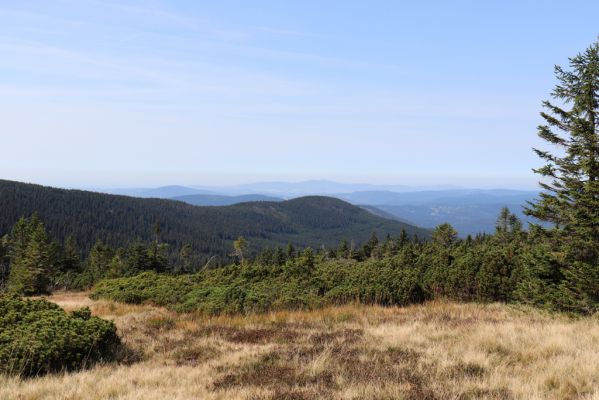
432, 351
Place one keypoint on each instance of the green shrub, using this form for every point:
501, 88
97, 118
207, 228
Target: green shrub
257, 288
38, 337
160, 289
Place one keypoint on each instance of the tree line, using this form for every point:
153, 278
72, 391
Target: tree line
210, 231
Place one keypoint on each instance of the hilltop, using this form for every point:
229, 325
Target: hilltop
307, 221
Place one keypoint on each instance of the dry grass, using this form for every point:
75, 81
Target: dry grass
432, 351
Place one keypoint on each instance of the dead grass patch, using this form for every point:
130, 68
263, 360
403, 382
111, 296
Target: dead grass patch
432, 351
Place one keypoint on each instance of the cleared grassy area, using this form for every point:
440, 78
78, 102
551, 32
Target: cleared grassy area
429, 351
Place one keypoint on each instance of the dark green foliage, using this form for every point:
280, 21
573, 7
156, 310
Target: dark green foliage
445, 235
96, 266
185, 258
71, 262
4, 259
159, 288
299, 284
508, 223
38, 337
571, 183
495, 278
579, 289
31, 261
485, 270
370, 245
371, 282
539, 278
210, 231
572, 178
68, 262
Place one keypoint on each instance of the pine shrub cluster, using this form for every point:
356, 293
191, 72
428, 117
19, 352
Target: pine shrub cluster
39, 337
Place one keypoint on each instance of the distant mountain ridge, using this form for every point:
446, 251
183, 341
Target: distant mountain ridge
277, 189
314, 187
456, 196
162, 192
223, 200
118, 220
470, 211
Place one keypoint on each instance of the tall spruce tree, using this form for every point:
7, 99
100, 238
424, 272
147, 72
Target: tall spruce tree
71, 262
571, 176
570, 179
97, 262
31, 265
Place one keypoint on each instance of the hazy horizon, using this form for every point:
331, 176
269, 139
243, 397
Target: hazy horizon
238, 184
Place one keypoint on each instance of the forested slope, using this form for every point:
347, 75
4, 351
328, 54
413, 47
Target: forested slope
117, 220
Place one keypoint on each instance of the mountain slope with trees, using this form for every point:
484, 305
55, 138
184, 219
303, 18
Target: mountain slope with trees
210, 231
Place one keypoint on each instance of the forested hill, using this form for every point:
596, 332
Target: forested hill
118, 220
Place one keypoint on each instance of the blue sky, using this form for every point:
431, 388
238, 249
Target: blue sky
146, 93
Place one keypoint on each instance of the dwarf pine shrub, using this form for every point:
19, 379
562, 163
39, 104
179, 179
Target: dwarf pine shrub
39, 337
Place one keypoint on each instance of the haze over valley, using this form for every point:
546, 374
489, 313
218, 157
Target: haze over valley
470, 211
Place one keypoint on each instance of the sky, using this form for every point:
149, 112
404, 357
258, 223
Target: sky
115, 93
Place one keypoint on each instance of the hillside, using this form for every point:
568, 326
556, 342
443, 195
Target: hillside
117, 220
223, 200
384, 214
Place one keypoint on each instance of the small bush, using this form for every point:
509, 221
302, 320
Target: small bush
39, 337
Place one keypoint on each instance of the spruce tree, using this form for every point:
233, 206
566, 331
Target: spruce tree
71, 263
97, 263
137, 259
19, 237
444, 235
403, 238
570, 179
507, 223
370, 245
31, 263
116, 268
157, 256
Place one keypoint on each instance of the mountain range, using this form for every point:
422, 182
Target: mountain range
470, 211
223, 200
118, 220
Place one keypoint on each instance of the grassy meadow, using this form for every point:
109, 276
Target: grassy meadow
437, 350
